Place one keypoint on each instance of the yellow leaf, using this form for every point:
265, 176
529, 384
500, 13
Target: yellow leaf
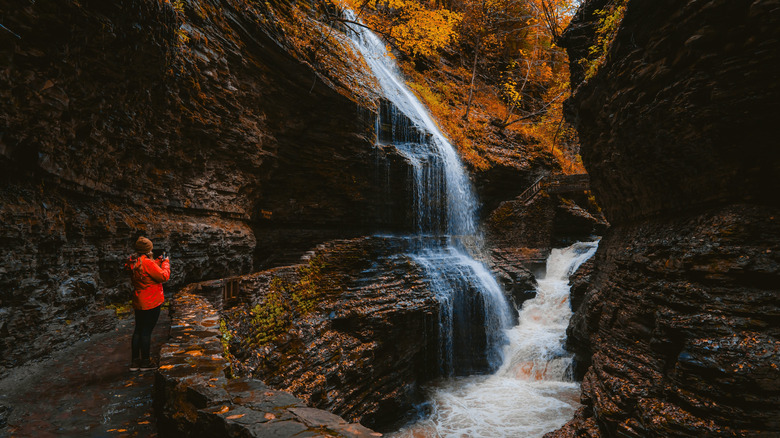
233, 417
223, 410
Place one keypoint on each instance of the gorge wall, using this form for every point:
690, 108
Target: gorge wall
676, 329
187, 122
354, 330
235, 134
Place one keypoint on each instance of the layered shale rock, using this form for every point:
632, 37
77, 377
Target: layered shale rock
188, 122
353, 331
194, 397
679, 326
681, 112
676, 325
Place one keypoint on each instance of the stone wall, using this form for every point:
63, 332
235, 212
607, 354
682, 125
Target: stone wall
677, 325
680, 115
194, 398
193, 126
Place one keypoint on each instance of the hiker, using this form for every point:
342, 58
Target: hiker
147, 276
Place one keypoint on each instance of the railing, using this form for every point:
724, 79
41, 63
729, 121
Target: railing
231, 289
556, 184
568, 184
531, 192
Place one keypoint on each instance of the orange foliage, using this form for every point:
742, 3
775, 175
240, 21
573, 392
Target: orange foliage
520, 77
414, 28
422, 32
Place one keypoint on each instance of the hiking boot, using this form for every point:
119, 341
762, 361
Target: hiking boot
135, 365
147, 365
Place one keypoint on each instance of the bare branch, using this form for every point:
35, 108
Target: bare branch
380, 32
539, 112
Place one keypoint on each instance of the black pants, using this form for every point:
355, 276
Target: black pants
145, 320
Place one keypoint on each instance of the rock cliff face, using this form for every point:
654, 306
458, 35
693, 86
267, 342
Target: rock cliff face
676, 328
186, 122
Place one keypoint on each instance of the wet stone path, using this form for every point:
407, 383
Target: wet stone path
86, 390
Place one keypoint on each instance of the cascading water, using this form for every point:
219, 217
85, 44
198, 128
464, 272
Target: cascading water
532, 392
474, 312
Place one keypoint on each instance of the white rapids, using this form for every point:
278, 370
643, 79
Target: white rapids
532, 393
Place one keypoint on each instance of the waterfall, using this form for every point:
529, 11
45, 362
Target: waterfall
474, 312
532, 392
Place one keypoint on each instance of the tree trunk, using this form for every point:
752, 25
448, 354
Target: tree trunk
473, 75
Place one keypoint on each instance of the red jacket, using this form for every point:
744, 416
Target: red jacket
147, 276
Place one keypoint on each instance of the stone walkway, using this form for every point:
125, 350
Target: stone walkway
85, 390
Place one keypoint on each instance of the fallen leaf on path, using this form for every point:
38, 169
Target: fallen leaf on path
233, 417
143, 422
223, 410
269, 416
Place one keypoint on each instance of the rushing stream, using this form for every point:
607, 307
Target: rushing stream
532, 392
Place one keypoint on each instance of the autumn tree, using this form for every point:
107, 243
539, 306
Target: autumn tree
514, 40
505, 51
417, 29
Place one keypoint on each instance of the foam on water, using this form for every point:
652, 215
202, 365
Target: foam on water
532, 392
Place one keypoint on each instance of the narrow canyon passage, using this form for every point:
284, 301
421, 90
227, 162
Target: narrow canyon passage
363, 204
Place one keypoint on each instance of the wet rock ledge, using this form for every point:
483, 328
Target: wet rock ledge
194, 397
351, 329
